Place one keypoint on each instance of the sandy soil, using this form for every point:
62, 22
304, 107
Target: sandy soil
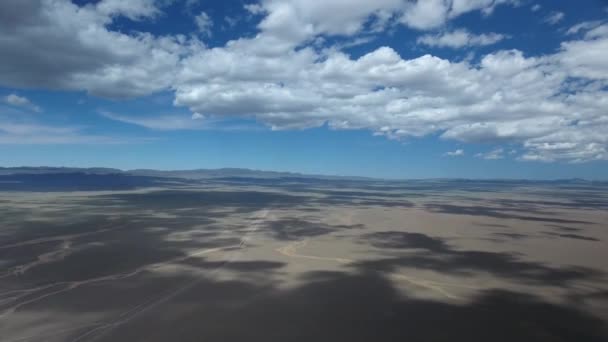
228, 262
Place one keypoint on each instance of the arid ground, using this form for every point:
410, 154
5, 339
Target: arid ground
306, 260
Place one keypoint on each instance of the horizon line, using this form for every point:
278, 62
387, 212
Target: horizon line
312, 175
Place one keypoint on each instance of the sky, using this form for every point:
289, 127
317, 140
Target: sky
384, 88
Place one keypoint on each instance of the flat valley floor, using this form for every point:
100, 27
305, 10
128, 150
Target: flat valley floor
302, 260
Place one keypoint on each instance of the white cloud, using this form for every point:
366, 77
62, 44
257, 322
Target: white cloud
297, 21
20, 101
132, 9
456, 153
163, 122
27, 132
173, 122
551, 107
536, 7
497, 153
597, 32
587, 58
77, 50
59, 45
507, 97
354, 42
425, 15
430, 14
459, 38
554, 18
204, 23
584, 26
19, 128
255, 9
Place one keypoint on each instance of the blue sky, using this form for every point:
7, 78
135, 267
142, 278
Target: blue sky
389, 88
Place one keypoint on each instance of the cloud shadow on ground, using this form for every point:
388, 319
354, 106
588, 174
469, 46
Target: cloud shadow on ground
420, 251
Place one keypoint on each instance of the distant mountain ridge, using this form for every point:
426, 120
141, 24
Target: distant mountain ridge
186, 174
51, 169
196, 174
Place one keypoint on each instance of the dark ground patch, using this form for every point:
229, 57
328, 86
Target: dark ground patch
421, 251
497, 212
334, 306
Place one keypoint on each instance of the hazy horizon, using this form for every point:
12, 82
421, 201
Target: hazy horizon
310, 174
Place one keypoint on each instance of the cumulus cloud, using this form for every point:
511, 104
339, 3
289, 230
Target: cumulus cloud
20, 101
456, 153
77, 50
506, 97
459, 38
536, 8
552, 107
497, 153
587, 58
60, 45
430, 14
297, 21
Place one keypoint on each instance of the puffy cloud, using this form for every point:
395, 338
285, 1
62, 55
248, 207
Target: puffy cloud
536, 8
587, 58
460, 38
426, 14
533, 101
551, 106
76, 49
333, 17
459, 7
456, 153
297, 21
20, 101
58, 45
430, 14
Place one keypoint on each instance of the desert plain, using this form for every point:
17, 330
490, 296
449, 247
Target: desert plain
290, 259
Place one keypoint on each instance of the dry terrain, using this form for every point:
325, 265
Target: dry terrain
306, 260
